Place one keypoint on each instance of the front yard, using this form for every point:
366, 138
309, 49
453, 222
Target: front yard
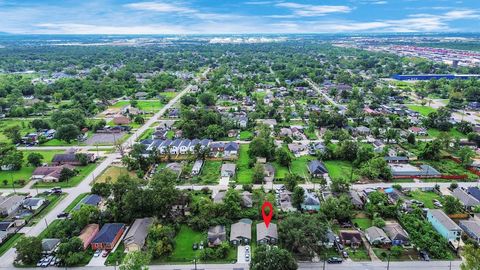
244, 173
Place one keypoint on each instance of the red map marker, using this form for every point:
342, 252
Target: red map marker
267, 218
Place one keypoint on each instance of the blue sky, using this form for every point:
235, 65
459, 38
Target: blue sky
237, 16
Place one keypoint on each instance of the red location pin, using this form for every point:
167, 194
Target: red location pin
267, 218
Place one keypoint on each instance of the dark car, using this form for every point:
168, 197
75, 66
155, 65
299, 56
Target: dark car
195, 246
62, 215
334, 260
424, 256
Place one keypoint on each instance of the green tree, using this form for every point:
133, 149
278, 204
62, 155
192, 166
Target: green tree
160, 240
291, 181
85, 215
471, 256
340, 208
298, 196
272, 258
466, 154
35, 159
13, 133
135, 260
258, 173
284, 157
66, 174
29, 250
431, 151
10, 157
452, 205
67, 133
71, 251
207, 99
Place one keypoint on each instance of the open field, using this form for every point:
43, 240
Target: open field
423, 110
112, 173
340, 168
147, 106
244, 173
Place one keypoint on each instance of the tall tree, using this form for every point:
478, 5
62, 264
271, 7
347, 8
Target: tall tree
272, 258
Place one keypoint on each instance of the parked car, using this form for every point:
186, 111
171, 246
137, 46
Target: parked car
97, 253
62, 215
247, 248
105, 253
195, 246
424, 256
334, 260
345, 254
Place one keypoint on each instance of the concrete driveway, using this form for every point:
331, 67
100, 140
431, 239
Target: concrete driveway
97, 261
241, 251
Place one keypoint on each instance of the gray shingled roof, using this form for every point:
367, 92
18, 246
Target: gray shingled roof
241, 229
263, 232
444, 219
138, 232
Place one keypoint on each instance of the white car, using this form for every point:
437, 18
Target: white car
247, 248
97, 253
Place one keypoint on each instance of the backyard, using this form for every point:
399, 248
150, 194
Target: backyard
340, 168
244, 173
210, 172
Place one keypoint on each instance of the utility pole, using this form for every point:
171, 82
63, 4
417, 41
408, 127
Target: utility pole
46, 223
388, 262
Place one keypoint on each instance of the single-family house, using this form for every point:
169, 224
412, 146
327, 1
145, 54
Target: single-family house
471, 228
267, 235
7, 226
444, 225
49, 174
330, 239
356, 199
231, 149
71, 159
397, 234
271, 123
88, 234
396, 159
241, 232
418, 131
108, 236
376, 236
362, 130
316, 147
269, 172
10, 204
91, 199
197, 167
351, 238
316, 168
33, 203
50, 245
311, 202
141, 95
228, 170
3, 236
137, 234
216, 235
475, 192
466, 199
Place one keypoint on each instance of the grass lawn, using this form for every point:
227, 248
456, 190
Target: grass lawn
147, 134
83, 172
423, 110
362, 223
168, 95
310, 135
75, 202
170, 134
425, 197
280, 171
112, 173
148, 106
6, 123
57, 142
184, 240
211, 172
299, 165
340, 168
48, 232
360, 254
10, 243
433, 132
244, 173
26, 171
246, 135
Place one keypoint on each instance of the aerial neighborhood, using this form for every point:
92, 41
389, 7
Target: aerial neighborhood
165, 151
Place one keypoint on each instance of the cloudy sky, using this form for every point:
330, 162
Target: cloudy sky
237, 16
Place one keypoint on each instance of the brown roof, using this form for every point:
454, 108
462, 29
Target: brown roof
87, 232
52, 171
121, 120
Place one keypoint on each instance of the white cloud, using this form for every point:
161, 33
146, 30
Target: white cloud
162, 7
302, 10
